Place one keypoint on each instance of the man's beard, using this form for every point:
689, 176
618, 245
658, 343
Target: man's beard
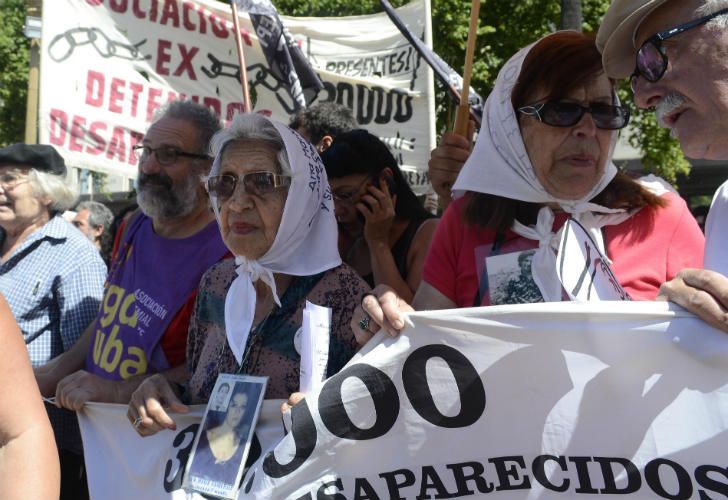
159, 197
667, 105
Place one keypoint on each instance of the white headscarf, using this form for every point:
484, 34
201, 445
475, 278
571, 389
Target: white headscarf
499, 165
306, 242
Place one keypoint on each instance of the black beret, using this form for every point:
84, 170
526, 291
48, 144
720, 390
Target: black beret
38, 156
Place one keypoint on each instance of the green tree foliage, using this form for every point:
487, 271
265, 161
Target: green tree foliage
14, 57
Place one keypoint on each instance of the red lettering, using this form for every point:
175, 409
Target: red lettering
163, 56
117, 146
219, 29
186, 64
59, 127
95, 3
118, 5
97, 138
213, 104
234, 108
138, 12
187, 7
95, 81
77, 132
153, 102
136, 89
153, 11
246, 37
116, 96
170, 11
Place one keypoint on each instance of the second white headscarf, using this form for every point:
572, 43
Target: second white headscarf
499, 165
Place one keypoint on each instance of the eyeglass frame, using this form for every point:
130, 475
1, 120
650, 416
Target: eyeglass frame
15, 183
534, 110
659, 37
153, 151
279, 181
349, 198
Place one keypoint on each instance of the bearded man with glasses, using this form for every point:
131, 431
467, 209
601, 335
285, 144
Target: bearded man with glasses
676, 52
159, 258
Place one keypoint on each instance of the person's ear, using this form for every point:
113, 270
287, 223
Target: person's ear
98, 231
324, 144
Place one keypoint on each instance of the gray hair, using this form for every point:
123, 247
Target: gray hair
202, 117
98, 214
55, 187
710, 6
252, 127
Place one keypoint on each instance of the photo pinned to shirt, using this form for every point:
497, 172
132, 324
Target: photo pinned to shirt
510, 278
224, 438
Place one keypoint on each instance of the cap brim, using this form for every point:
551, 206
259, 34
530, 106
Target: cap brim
618, 52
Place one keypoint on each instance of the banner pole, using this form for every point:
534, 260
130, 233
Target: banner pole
241, 59
463, 110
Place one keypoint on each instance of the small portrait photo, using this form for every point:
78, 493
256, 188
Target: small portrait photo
221, 447
510, 279
220, 398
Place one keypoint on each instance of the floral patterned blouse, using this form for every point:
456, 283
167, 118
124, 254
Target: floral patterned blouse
270, 350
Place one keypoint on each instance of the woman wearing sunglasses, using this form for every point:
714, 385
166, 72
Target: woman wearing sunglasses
542, 156
269, 191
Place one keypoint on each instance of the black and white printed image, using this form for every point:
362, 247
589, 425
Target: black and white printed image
510, 279
225, 435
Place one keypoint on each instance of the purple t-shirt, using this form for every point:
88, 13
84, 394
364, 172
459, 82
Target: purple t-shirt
148, 283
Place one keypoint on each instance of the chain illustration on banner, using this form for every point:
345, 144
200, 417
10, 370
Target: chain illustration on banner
258, 74
105, 46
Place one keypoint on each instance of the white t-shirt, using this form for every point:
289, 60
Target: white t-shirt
716, 249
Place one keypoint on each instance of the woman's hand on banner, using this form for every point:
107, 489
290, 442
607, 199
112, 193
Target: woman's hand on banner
379, 308
149, 404
702, 292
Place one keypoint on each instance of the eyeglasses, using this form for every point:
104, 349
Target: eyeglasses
165, 155
254, 183
651, 58
348, 195
10, 181
568, 114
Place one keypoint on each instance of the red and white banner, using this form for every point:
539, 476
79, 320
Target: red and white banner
108, 65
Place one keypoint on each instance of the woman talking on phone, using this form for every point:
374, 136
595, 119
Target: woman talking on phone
384, 232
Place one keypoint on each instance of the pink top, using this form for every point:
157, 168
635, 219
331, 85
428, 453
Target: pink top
646, 250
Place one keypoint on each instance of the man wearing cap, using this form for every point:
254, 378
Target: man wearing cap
51, 275
676, 55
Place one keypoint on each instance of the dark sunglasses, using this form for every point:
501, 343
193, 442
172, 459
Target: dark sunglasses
651, 58
254, 183
568, 114
165, 155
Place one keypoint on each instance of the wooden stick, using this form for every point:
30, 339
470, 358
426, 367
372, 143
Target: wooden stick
463, 111
241, 59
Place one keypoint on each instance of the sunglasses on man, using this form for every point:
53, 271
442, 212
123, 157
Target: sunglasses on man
651, 58
254, 183
568, 114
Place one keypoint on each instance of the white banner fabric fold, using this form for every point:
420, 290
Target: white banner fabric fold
107, 66
537, 401
534, 401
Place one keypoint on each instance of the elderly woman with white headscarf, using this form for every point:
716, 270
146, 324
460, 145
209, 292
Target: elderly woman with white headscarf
544, 156
269, 191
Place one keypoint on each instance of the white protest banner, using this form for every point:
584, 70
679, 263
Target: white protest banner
537, 401
108, 65
122, 465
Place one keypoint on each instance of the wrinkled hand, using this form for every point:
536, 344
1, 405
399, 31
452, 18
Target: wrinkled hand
377, 207
293, 400
80, 387
150, 402
445, 163
702, 292
383, 307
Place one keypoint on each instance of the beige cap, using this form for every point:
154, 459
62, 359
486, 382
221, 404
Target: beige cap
616, 36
